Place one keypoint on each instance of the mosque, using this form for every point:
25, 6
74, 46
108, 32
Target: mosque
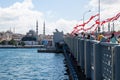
31, 37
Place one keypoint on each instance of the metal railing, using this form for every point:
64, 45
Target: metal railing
98, 60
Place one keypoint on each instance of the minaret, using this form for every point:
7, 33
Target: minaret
37, 29
10, 29
14, 30
44, 29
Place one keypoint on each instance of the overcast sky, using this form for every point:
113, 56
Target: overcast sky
21, 15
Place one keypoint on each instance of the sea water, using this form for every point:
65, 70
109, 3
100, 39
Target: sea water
27, 64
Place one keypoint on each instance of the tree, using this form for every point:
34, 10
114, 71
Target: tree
12, 42
4, 42
21, 43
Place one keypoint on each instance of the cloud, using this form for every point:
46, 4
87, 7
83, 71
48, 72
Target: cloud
62, 25
19, 15
109, 2
103, 2
66, 25
108, 7
22, 17
26, 4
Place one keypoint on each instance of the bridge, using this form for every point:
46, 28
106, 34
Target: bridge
91, 59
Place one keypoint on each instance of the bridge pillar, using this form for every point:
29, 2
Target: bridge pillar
97, 62
117, 63
81, 54
87, 59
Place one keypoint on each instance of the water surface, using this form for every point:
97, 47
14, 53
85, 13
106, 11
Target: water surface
27, 64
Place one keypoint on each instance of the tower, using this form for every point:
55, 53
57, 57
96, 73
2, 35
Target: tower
37, 30
14, 30
44, 29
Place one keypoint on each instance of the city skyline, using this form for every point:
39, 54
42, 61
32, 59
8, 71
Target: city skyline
21, 15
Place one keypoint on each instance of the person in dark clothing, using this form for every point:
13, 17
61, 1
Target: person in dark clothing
113, 39
88, 36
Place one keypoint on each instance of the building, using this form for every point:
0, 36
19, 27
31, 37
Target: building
17, 37
7, 36
30, 38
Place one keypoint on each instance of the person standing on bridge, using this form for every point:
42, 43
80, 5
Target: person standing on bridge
113, 38
83, 35
119, 39
100, 36
88, 36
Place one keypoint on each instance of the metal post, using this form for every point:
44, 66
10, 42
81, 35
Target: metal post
97, 62
82, 54
117, 63
87, 59
85, 14
113, 26
99, 16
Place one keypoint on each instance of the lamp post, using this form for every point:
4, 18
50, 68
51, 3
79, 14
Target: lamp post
85, 14
113, 26
99, 15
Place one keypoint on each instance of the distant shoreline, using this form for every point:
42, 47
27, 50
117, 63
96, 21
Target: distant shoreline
30, 46
17, 47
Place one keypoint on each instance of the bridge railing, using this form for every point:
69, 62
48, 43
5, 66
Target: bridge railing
99, 60
89, 58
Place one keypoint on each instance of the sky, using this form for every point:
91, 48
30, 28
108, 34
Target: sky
20, 16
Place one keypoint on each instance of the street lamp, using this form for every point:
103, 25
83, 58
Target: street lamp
99, 15
85, 14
